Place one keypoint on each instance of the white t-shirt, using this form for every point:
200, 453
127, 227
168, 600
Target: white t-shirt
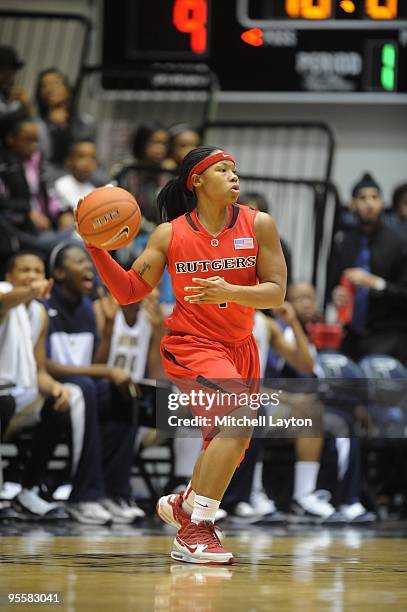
68, 190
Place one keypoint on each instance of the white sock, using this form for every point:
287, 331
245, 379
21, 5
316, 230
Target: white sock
205, 509
257, 484
189, 498
305, 478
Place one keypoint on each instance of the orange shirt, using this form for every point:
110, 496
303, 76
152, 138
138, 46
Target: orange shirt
194, 252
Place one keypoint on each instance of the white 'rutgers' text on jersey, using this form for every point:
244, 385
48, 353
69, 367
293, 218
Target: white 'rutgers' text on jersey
130, 345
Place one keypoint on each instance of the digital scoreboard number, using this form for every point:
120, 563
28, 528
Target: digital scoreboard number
268, 45
304, 13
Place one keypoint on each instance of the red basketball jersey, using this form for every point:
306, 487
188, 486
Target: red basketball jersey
194, 252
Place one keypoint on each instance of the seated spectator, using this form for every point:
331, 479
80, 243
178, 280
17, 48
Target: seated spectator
257, 201
136, 334
368, 265
398, 213
81, 164
144, 179
7, 409
294, 350
29, 211
302, 296
40, 400
60, 123
149, 148
14, 100
77, 353
183, 138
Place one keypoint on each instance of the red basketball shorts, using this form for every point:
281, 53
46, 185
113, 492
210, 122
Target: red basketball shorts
193, 363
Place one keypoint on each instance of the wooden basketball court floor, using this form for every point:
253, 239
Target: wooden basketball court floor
129, 569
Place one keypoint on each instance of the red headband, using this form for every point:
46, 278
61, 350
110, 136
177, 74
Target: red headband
205, 163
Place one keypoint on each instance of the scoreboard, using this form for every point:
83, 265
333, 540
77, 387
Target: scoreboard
347, 46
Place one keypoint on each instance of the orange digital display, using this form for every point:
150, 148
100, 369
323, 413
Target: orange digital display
377, 9
190, 16
330, 9
308, 9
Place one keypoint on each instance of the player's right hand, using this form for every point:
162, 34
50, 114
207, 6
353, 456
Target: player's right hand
75, 216
75, 220
41, 288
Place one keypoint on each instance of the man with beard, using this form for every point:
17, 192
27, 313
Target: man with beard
368, 265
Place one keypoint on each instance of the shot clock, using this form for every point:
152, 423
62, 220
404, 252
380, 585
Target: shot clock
347, 46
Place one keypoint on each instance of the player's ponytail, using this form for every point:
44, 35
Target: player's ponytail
174, 198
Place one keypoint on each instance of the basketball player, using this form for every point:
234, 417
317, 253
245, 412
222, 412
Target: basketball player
225, 260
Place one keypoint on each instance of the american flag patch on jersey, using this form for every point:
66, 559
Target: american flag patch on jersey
243, 243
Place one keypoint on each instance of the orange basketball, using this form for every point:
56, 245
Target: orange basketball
108, 217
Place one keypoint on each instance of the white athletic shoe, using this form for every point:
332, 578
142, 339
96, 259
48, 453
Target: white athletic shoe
32, 504
356, 513
220, 515
262, 504
244, 513
315, 506
89, 513
122, 511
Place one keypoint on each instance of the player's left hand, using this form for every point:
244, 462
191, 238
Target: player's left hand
212, 290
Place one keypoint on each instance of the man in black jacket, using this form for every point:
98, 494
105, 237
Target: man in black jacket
372, 258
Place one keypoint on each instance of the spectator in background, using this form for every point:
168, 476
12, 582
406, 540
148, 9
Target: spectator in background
29, 210
7, 408
78, 422
398, 215
183, 138
143, 177
14, 100
40, 400
81, 164
302, 296
77, 352
257, 201
246, 485
372, 259
59, 123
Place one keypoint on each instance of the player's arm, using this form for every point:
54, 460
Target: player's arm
271, 271
133, 285
297, 353
46, 383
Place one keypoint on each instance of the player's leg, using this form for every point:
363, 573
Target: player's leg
196, 541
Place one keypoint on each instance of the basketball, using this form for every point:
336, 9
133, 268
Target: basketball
108, 217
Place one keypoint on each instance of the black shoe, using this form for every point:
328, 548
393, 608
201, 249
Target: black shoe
7, 512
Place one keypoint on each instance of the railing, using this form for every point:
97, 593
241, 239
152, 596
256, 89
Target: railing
45, 39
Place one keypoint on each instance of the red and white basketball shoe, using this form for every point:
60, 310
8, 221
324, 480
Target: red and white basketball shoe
169, 509
199, 544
